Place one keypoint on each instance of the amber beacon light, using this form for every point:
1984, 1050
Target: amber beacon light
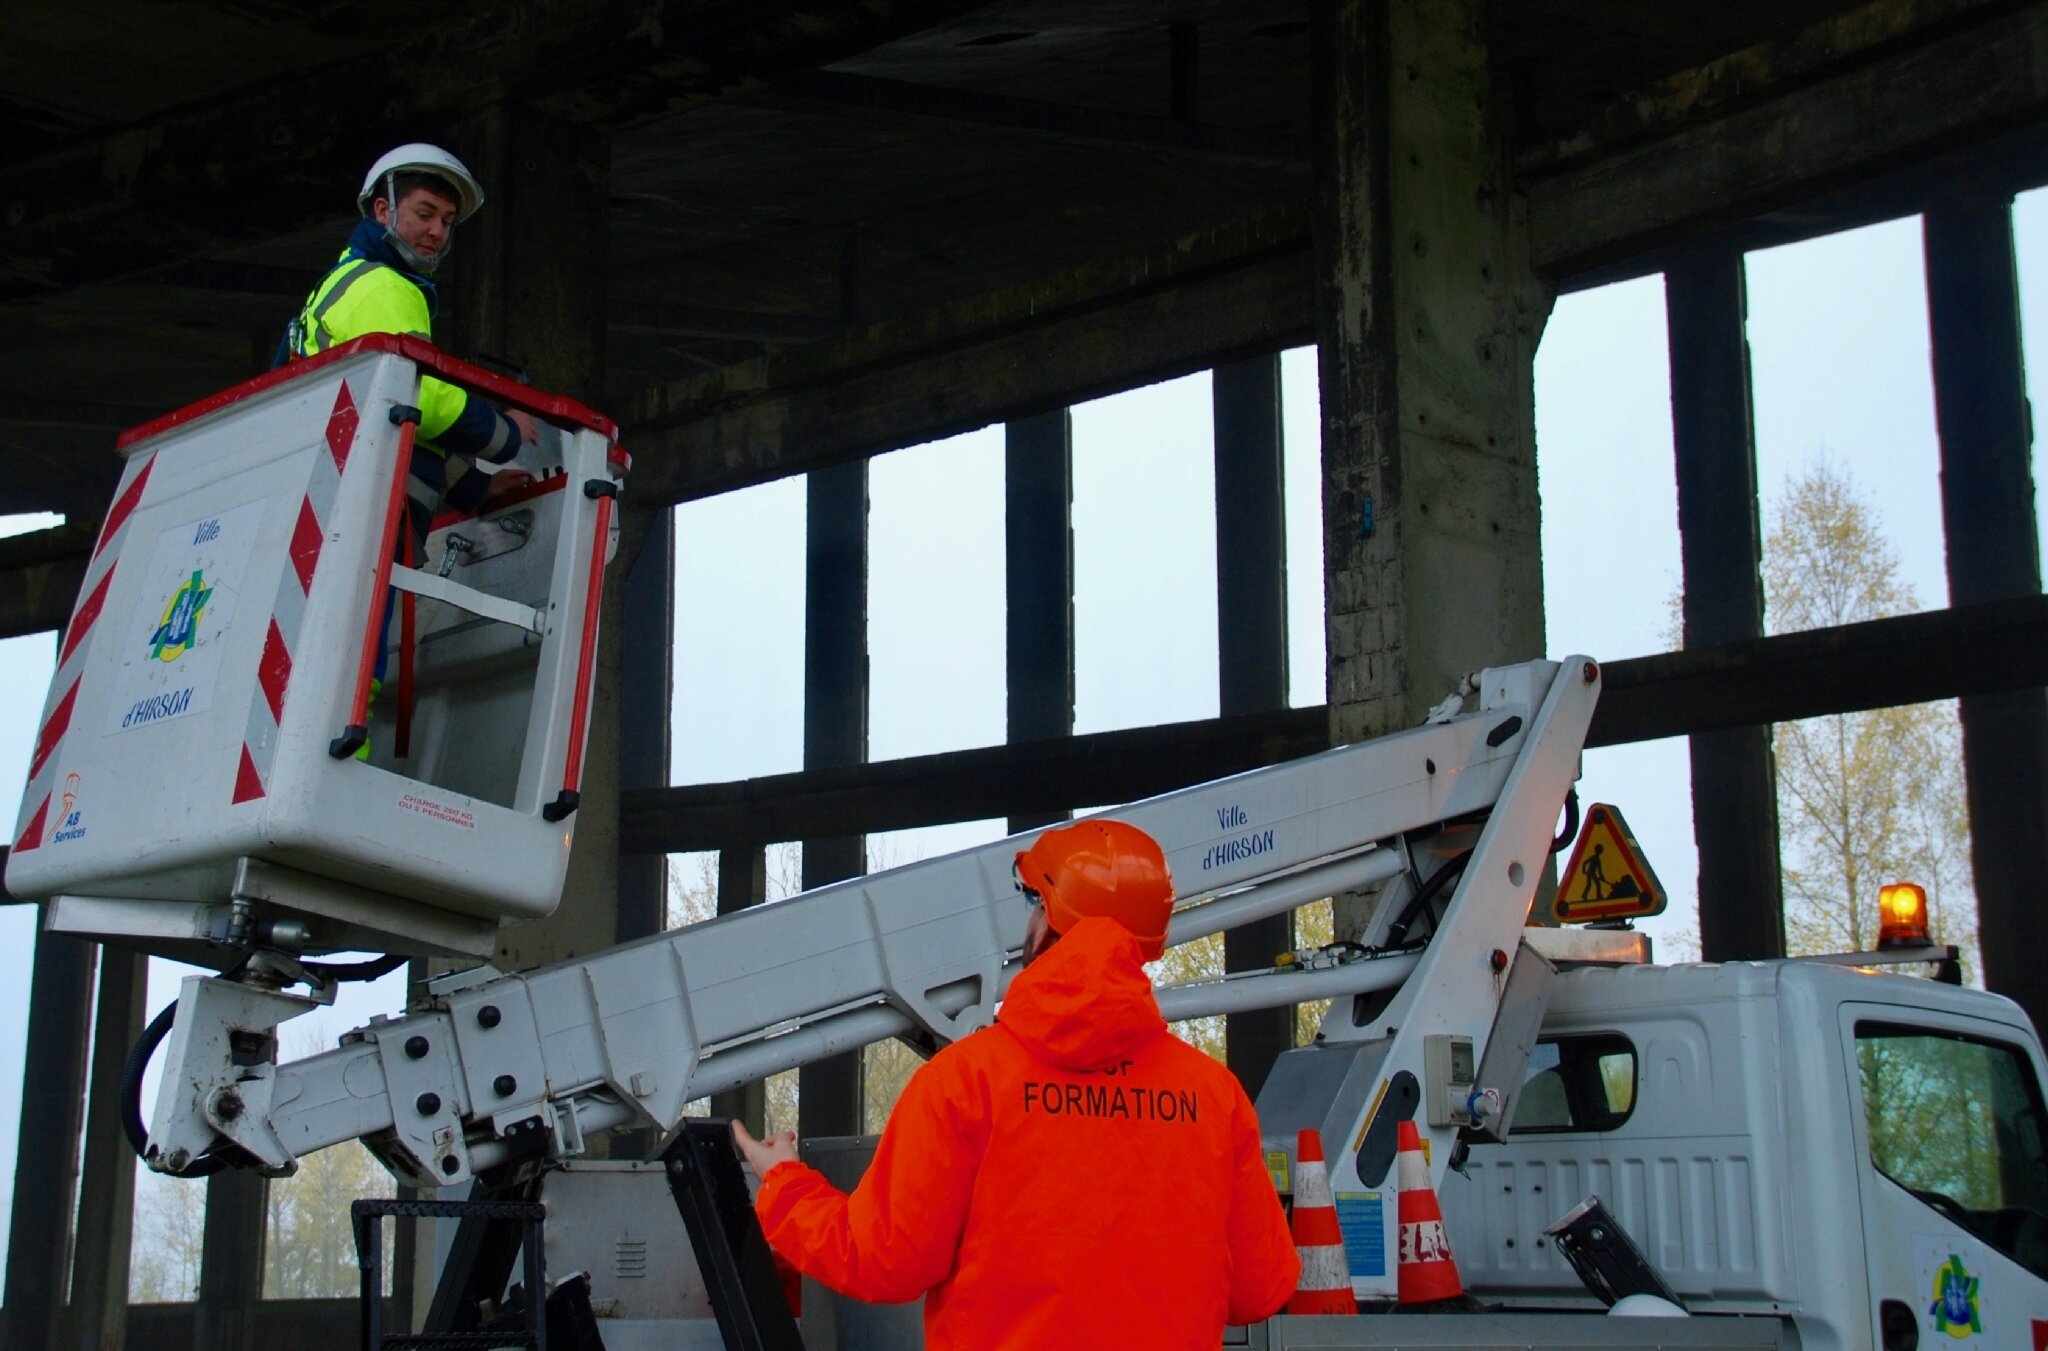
1902, 916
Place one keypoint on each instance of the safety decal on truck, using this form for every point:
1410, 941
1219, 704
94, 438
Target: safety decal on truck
1951, 1288
294, 589
99, 576
172, 646
1363, 1218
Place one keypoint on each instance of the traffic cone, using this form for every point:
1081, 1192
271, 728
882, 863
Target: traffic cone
1325, 1278
1427, 1272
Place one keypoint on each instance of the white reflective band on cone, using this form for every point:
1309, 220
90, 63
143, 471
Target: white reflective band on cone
1323, 1268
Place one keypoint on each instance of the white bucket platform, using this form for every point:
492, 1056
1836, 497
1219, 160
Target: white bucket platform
195, 784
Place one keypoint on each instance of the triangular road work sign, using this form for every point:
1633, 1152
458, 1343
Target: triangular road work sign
1608, 877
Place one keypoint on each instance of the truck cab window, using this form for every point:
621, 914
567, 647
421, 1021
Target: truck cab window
1585, 1083
1958, 1123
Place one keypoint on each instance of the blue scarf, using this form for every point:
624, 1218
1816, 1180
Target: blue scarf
367, 241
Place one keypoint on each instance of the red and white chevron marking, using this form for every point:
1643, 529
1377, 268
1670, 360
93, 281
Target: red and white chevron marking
288, 615
92, 599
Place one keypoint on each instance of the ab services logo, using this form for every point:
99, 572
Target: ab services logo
70, 821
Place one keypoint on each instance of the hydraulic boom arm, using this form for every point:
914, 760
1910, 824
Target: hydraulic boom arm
502, 1068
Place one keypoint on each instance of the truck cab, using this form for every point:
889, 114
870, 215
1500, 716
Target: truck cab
1857, 1152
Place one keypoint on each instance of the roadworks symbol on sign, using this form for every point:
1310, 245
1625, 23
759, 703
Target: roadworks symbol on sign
1608, 877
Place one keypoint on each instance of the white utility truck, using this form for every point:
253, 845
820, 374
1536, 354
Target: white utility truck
1806, 1153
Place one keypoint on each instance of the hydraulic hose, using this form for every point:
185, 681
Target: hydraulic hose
131, 1094
1571, 821
369, 970
159, 1027
1397, 932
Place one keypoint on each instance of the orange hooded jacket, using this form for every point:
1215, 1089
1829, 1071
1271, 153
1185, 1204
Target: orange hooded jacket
1071, 1177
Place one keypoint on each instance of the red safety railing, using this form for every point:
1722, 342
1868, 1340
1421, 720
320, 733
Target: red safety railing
358, 729
604, 490
554, 408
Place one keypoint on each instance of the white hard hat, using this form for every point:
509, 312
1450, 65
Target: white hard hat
421, 158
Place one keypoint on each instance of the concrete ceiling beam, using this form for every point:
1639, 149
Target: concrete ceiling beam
835, 93
179, 187
1216, 296
1969, 102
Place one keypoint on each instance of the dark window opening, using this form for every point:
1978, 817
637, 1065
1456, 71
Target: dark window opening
1584, 1083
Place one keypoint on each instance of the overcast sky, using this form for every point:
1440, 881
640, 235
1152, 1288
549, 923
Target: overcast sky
1838, 334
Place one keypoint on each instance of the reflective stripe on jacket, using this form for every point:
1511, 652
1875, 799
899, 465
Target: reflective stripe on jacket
362, 296
1072, 1177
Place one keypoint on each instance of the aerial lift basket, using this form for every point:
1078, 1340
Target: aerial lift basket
219, 763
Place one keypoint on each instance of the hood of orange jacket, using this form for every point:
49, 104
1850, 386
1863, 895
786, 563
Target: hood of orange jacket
1085, 1002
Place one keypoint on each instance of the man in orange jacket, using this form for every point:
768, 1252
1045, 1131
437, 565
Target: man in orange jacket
1071, 1177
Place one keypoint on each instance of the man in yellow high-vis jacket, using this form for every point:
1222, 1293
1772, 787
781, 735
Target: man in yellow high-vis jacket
411, 200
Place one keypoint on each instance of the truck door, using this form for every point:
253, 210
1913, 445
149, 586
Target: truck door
1949, 1132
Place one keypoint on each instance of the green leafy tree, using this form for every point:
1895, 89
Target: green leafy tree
169, 1233
1863, 798
309, 1249
1199, 960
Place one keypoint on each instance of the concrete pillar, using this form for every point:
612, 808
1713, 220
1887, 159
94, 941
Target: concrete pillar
1251, 646
524, 293
1427, 327
39, 1231
231, 1261
835, 731
106, 1197
1987, 516
1734, 779
1038, 554
1427, 321
524, 289
647, 643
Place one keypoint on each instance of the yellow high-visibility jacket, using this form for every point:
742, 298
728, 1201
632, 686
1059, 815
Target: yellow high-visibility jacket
363, 295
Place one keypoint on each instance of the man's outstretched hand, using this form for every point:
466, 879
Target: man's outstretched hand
762, 1155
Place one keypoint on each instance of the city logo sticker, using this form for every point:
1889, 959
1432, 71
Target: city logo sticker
1955, 1300
179, 631
182, 623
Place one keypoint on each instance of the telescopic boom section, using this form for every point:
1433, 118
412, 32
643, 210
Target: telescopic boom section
499, 1068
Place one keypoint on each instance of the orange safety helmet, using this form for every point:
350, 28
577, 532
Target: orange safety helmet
1105, 868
